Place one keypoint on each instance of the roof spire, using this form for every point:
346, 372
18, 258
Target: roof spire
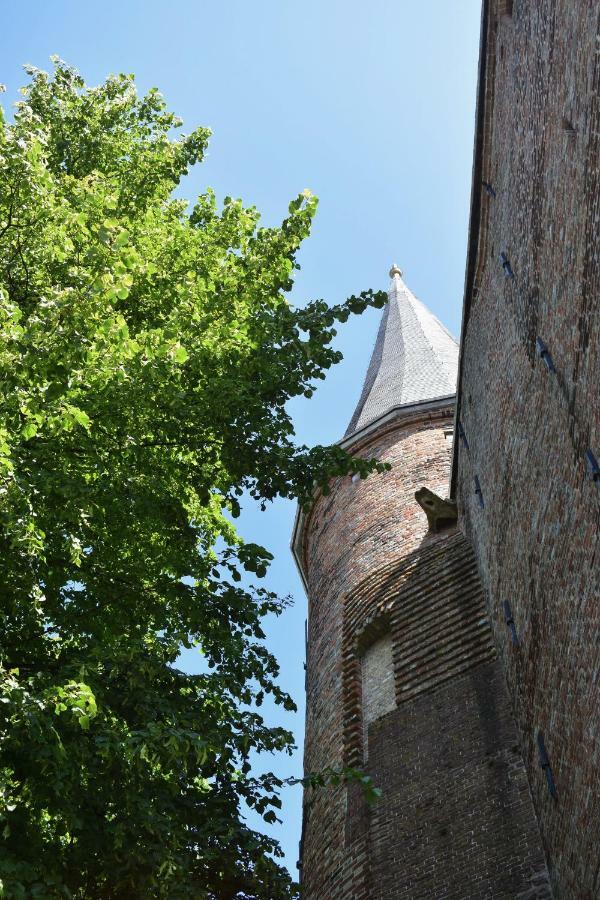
414, 359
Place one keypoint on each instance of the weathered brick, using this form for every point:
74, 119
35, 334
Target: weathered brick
456, 818
537, 539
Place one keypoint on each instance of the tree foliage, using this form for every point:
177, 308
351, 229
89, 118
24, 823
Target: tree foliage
147, 352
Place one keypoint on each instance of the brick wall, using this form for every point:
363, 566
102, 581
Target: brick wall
528, 429
349, 534
376, 575
455, 819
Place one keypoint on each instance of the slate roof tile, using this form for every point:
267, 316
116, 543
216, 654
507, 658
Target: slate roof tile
414, 359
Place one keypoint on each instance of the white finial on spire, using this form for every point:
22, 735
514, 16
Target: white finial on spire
395, 270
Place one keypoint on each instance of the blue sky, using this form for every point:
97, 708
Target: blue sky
371, 106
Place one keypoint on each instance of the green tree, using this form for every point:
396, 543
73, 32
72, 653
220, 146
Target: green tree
147, 352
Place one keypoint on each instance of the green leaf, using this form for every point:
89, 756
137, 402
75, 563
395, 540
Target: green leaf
122, 239
30, 430
180, 354
156, 408
78, 416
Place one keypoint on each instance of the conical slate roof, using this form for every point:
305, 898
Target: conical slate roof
414, 359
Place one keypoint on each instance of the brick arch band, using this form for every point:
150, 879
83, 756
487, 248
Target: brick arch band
432, 604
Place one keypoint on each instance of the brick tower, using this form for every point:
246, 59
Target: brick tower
402, 676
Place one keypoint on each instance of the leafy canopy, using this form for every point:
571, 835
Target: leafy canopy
147, 352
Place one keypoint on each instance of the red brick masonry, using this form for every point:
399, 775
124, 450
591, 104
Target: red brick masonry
456, 818
537, 541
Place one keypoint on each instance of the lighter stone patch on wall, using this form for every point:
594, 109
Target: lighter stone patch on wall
378, 689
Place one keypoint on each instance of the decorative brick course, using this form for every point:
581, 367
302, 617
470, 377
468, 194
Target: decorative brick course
431, 604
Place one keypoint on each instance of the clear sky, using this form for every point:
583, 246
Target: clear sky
370, 105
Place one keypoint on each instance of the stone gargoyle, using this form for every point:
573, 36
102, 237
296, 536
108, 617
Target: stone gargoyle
440, 513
